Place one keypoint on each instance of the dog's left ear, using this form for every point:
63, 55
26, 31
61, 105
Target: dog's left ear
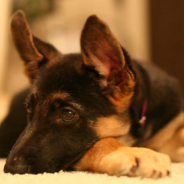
102, 52
32, 50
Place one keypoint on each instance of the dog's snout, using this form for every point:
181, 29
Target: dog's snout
16, 165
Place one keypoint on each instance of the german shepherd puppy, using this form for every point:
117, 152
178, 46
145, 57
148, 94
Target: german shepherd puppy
88, 111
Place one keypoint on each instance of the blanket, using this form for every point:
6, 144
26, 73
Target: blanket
177, 177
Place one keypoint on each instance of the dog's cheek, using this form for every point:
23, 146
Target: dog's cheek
112, 126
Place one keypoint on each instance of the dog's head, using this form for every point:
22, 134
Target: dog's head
74, 100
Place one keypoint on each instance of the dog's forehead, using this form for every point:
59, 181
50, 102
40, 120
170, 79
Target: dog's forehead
64, 76
63, 70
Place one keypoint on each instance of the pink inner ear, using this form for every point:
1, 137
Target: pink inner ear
108, 57
112, 64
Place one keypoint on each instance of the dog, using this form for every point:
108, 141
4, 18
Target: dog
99, 110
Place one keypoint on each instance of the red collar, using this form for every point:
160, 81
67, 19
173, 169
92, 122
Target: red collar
142, 120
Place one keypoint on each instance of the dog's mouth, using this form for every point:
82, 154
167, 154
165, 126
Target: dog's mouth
27, 169
23, 166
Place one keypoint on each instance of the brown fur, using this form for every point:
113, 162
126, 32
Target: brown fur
19, 23
94, 32
111, 51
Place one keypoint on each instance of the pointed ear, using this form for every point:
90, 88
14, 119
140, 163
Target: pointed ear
33, 51
102, 52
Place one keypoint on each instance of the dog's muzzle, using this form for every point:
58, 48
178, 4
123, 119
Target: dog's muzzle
17, 165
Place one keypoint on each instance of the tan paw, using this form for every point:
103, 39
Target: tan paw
141, 162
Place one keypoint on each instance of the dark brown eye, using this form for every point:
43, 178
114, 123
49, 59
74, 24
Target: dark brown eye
68, 115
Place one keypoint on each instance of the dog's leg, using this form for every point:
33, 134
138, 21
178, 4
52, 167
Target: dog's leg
111, 157
170, 139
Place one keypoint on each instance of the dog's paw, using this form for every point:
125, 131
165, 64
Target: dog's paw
141, 162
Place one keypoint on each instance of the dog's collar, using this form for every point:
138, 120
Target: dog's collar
142, 120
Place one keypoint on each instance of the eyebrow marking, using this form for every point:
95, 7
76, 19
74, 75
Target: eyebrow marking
77, 106
67, 96
61, 95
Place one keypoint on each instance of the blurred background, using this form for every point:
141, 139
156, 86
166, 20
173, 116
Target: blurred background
149, 30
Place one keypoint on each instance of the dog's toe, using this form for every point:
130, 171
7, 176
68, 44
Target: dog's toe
152, 164
136, 162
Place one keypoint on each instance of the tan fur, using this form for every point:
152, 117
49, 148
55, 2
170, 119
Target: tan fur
91, 160
111, 157
60, 95
112, 126
122, 100
66, 96
170, 139
127, 140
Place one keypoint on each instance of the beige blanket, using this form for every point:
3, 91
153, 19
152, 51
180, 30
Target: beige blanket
177, 177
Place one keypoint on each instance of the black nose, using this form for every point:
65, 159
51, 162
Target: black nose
17, 165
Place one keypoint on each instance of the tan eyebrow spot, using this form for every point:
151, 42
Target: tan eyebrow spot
77, 106
66, 96
61, 95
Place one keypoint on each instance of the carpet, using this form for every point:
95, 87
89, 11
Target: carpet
177, 177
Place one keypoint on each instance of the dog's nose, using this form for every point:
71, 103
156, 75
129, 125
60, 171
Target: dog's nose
17, 165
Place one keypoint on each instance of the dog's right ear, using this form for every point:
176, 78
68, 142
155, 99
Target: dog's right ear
32, 50
103, 54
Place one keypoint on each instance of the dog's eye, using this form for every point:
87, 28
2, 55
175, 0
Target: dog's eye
68, 115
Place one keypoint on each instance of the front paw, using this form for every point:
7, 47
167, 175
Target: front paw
143, 162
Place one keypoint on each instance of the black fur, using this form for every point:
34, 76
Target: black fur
13, 124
